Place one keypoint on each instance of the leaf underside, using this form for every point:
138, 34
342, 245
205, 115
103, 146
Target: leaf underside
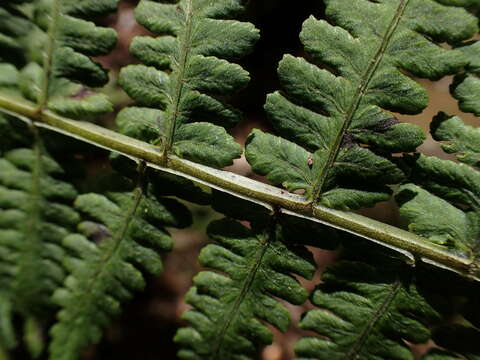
35, 215
180, 90
333, 112
54, 49
338, 140
232, 303
364, 313
448, 188
124, 234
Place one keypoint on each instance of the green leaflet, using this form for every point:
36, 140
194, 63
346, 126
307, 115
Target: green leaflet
463, 140
364, 313
35, 215
181, 90
62, 79
251, 266
466, 86
458, 230
8, 77
125, 234
332, 117
420, 210
447, 188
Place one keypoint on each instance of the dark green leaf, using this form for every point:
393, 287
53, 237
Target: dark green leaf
197, 44
251, 266
364, 313
127, 231
335, 108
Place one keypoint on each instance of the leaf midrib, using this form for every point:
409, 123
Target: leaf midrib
32, 243
246, 286
182, 67
361, 89
48, 57
355, 350
117, 240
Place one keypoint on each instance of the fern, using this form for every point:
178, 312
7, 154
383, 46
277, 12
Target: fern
453, 189
459, 139
339, 145
126, 231
51, 54
254, 266
35, 215
365, 313
60, 78
327, 119
466, 86
449, 187
14, 27
198, 41
250, 268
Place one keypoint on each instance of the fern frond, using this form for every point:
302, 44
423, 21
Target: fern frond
337, 135
365, 313
187, 73
125, 233
57, 44
448, 188
35, 216
231, 304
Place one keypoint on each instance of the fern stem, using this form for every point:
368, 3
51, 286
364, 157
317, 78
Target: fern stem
357, 98
48, 57
412, 246
185, 50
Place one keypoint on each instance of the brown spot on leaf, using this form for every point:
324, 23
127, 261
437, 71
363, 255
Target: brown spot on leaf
82, 93
347, 141
384, 125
